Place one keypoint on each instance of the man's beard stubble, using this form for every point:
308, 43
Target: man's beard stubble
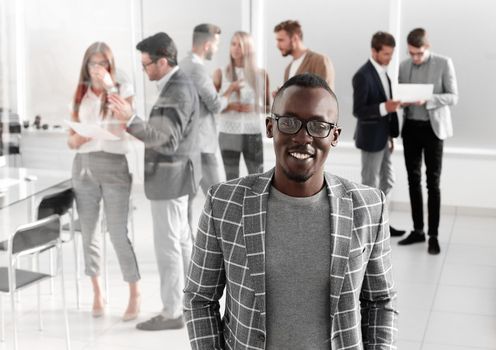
300, 178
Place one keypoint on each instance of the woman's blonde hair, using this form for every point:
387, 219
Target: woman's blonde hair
253, 75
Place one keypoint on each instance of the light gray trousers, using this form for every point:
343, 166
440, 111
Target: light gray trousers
173, 244
97, 176
377, 170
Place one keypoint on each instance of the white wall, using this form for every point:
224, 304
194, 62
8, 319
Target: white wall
464, 31
57, 33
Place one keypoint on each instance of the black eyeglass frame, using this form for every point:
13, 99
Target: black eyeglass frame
145, 66
277, 117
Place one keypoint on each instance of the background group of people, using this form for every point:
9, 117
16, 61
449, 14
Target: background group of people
426, 124
195, 113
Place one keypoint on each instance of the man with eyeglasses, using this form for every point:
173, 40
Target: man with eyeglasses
304, 255
426, 125
172, 169
377, 120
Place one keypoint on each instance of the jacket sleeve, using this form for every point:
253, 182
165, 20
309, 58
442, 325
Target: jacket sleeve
378, 296
206, 90
323, 67
205, 285
165, 129
449, 96
361, 109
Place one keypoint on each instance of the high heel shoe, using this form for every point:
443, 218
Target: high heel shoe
131, 315
98, 312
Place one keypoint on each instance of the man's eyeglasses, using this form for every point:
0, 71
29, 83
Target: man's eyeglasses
104, 64
145, 65
291, 125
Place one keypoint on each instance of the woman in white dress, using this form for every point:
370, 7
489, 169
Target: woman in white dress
240, 123
100, 171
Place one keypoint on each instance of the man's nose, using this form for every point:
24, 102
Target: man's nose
302, 136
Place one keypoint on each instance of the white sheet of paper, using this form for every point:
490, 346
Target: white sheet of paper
412, 92
92, 130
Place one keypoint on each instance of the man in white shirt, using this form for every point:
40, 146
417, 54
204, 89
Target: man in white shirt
377, 120
172, 169
205, 45
426, 124
289, 37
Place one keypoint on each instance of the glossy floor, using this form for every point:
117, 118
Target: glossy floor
446, 301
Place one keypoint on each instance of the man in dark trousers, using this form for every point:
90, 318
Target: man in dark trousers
427, 123
377, 121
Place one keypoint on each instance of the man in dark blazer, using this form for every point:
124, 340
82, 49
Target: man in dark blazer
303, 255
377, 121
172, 168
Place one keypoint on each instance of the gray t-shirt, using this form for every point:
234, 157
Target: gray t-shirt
297, 271
419, 74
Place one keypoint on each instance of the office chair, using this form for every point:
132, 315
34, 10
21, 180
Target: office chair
60, 203
32, 240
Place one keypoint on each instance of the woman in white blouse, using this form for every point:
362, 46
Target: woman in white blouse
240, 123
100, 171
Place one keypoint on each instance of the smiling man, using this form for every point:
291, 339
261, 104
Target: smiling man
304, 255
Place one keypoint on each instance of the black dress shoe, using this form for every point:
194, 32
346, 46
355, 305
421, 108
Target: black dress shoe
433, 247
413, 237
395, 233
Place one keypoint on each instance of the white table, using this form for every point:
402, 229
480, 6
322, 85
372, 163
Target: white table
20, 191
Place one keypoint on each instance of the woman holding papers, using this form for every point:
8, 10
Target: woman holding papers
100, 171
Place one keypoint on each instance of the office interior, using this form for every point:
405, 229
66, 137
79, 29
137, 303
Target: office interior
446, 301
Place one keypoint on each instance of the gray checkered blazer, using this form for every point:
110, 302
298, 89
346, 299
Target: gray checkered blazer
229, 253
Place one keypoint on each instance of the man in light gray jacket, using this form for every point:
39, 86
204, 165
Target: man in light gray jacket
172, 168
205, 45
426, 125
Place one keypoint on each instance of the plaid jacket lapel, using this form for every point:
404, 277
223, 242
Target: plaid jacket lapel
341, 225
254, 221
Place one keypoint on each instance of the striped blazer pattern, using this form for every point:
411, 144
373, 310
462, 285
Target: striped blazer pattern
229, 254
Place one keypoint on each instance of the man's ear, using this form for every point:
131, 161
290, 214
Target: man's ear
269, 124
335, 136
206, 46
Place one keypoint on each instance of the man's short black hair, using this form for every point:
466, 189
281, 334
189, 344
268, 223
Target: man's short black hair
159, 46
204, 32
308, 80
381, 39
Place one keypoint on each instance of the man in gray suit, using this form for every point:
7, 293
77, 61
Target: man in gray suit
205, 45
304, 255
426, 125
172, 168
